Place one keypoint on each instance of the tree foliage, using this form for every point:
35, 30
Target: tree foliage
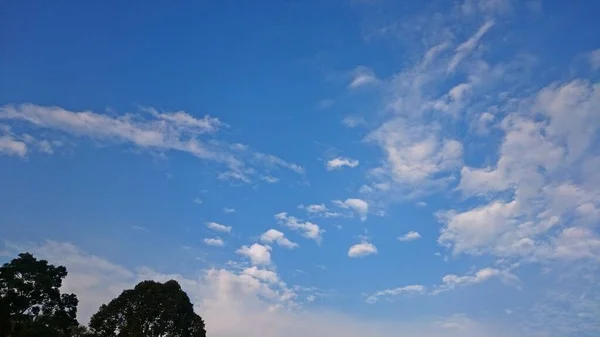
30, 300
151, 309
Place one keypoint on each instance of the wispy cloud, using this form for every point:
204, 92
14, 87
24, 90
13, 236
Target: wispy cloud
147, 129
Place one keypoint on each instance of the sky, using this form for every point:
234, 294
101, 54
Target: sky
346, 167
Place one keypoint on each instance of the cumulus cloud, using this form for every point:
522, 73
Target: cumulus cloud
410, 236
362, 249
218, 227
216, 242
359, 206
257, 253
308, 229
273, 235
340, 162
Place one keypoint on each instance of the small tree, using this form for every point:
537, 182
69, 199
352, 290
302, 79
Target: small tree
151, 309
30, 300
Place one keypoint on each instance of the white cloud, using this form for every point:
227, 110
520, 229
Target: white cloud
262, 274
452, 281
218, 227
150, 129
362, 249
257, 253
228, 210
416, 155
340, 162
216, 242
359, 206
320, 210
363, 76
273, 235
410, 236
465, 48
309, 230
546, 144
10, 146
197, 201
411, 289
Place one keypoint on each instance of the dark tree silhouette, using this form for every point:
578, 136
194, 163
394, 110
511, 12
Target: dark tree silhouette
151, 309
30, 300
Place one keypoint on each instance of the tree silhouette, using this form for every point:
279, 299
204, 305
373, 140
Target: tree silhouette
30, 300
151, 309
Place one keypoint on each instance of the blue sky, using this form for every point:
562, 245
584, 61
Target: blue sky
300, 167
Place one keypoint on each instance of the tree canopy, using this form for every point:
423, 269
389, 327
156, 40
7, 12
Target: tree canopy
30, 300
150, 309
31, 305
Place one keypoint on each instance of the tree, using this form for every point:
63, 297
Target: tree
151, 309
30, 300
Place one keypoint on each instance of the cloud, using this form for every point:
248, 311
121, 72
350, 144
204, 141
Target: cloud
270, 179
152, 130
548, 139
216, 242
259, 302
594, 58
257, 253
411, 289
359, 206
410, 236
309, 230
197, 201
362, 249
452, 281
218, 227
320, 210
363, 76
273, 235
467, 47
353, 121
264, 275
228, 210
340, 162
10, 146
